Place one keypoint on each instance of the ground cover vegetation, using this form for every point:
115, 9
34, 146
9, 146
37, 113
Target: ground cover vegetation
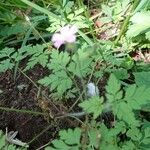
74, 74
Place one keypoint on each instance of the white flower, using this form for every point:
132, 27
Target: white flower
92, 90
67, 34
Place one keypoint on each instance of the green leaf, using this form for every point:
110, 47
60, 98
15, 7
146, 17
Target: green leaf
108, 139
148, 35
58, 61
78, 19
58, 81
107, 10
5, 59
113, 85
38, 56
141, 24
45, 81
141, 78
119, 95
94, 138
136, 97
69, 140
130, 91
5, 65
80, 66
60, 145
6, 52
146, 139
2, 140
135, 134
121, 74
19, 27
71, 136
124, 112
120, 127
93, 105
141, 6
71, 93
129, 145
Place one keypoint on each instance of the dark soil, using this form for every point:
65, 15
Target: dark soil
22, 94
27, 125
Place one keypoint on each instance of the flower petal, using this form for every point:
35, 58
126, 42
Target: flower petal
70, 39
56, 37
58, 44
64, 30
66, 34
73, 29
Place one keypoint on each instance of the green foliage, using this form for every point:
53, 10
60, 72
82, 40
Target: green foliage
139, 138
109, 136
37, 55
93, 105
101, 137
140, 25
135, 97
75, 18
115, 12
58, 61
78, 19
121, 73
14, 30
2, 140
141, 78
59, 80
6, 62
124, 94
80, 65
113, 85
64, 69
68, 139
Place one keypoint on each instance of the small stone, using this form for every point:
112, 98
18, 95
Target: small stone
92, 90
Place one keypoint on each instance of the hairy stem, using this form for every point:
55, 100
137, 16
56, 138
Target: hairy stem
35, 113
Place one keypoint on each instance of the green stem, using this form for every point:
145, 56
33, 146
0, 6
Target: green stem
76, 114
72, 106
72, 78
28, 78
81, 75
126, 21
23, 44
42, 132
35, 113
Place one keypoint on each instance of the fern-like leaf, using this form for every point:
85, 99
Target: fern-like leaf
58, 61
80, 65
93, 105
58, 81
69, 139
6, 62
37, 56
